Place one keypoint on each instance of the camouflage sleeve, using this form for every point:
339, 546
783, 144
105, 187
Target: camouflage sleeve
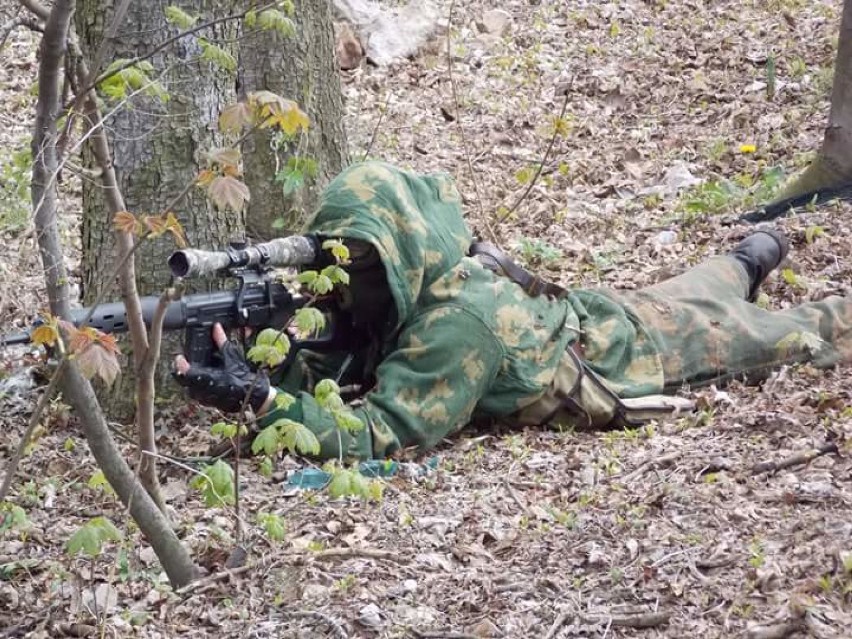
427, 388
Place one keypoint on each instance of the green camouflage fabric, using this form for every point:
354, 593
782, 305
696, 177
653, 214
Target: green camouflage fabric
470, 343
708, 331
467, 341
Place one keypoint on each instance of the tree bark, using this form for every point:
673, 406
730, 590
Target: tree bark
75, 388
302, 68
832, 168
158, 148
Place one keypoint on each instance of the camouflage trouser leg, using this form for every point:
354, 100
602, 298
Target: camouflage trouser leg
706, 330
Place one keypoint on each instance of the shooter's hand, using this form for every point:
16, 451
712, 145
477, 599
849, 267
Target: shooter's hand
225, 385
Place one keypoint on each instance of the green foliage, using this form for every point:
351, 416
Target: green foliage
799, 342
273, 525
813, 232
757, 554
13, 518
309, 321
289, 434
15, 173
791, 278
347, 482
720, 196
265, 466
227, 430
179, 18
284, 400
272, 20
91, 536
338, 249
271, 348
98, 481
216, 483
217, 56
538, 252
134, 78
295, 172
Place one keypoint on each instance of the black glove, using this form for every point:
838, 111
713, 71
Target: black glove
225, 387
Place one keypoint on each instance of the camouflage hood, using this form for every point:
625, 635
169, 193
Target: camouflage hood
414, 221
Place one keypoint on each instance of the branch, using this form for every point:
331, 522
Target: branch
145, 391
21, 21
804, 457
641, 620
91, 84
544, 158
36, 8
337, 630
452, 79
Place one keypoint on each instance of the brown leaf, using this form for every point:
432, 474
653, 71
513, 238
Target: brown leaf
205, 177
232, 170
108, 342
97, 360
228, 192
126, 222
156, 224
227, 156
235, 117
81, 338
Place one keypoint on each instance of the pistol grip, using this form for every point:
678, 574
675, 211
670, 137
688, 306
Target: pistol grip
199, 347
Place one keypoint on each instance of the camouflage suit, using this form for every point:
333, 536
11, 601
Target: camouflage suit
468, 342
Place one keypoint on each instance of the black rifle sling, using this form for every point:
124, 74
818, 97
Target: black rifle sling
497, 261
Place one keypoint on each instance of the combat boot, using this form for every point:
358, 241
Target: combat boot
760, 253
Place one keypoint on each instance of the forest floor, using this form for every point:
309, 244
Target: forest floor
674, 122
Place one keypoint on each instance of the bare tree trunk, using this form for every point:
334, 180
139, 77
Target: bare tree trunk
75, 388
832, 167
301, 68
158, 149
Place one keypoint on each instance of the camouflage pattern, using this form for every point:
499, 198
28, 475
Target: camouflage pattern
294, 250
466, 342
707, 331
469, 342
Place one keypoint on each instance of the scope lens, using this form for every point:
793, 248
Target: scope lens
179, 264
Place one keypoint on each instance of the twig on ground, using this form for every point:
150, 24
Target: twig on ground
560, 621
775, 630
336, 629
644, 620
440, 634
641, 620
516, 497
351, 553
653, 462
804, 457
209, 580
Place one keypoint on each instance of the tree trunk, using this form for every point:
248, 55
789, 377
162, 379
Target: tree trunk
832, 168
158, 149
301, 68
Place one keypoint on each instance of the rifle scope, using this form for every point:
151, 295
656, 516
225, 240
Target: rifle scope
295, 250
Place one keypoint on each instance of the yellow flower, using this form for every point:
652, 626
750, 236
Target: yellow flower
748, 148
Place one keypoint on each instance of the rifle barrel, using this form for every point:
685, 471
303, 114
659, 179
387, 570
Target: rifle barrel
14, 339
